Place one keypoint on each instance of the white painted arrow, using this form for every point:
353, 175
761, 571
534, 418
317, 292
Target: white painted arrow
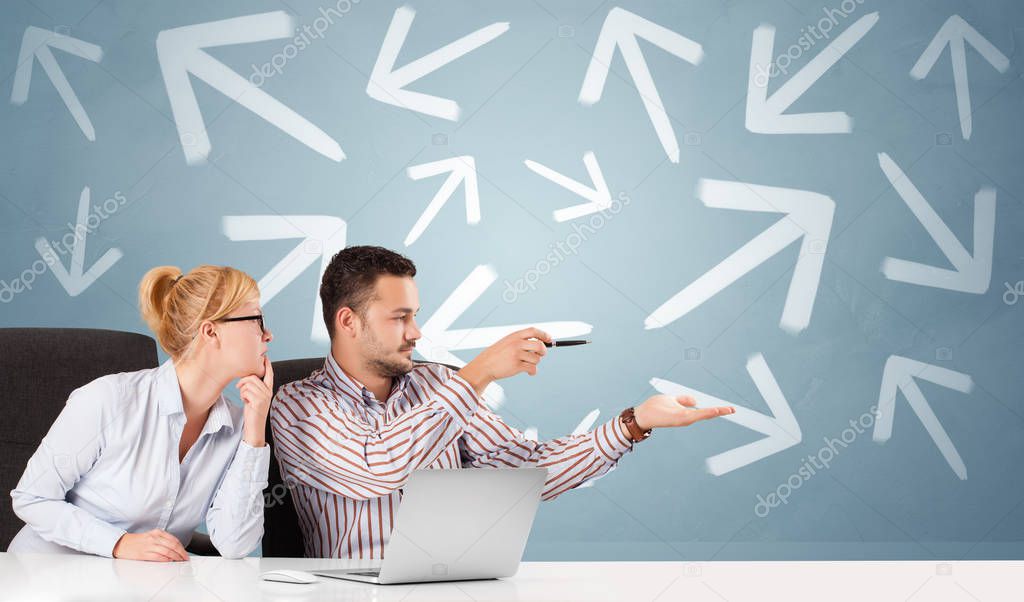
180, 52
72, 278
621, 29
587, 423
38, 42
322, 236
581, 429
954, 33
438, 341
765, 114
970, 274
387, 84
808, 217
598, 195
460, 169
898, 375
781, 430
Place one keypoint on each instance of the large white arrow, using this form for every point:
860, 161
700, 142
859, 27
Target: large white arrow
180, 52
38, 42
597, 194
439, 340
954, 33
808, 217
460, 169
899, 374
621, 29
72, 278
765, 114
781, 430
970, 274
322, 236
387, 84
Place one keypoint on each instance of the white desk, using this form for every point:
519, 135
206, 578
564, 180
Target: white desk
28, 577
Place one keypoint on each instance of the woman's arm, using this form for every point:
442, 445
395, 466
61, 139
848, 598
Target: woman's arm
235, 518
68, 451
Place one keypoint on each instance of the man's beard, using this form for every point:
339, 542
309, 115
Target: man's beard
377, 357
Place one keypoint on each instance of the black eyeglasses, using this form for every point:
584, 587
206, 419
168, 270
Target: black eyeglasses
258, 318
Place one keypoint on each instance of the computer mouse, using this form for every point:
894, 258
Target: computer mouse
289, 576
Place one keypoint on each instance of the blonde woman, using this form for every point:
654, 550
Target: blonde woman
137, 460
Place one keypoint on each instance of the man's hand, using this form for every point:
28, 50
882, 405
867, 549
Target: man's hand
669, 410
156, 545
256, 394
517, 352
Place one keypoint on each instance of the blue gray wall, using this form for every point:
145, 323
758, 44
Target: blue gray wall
898, 496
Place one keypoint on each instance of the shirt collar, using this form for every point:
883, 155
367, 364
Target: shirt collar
168, 392
340, 380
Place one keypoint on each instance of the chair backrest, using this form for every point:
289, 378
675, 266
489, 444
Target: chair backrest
281, 534
39, 368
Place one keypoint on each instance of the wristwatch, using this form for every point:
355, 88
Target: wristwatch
635, 432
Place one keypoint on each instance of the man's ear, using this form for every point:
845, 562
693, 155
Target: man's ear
345, 320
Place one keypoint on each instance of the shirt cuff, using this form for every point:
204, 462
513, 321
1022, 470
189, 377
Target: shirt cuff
612, 440
100, 539
253, 461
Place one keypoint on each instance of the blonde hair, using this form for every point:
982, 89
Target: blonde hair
174, 304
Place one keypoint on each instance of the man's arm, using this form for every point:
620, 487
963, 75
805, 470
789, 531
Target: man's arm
571, 460
326, 448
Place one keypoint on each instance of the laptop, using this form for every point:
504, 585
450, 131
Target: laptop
457, 524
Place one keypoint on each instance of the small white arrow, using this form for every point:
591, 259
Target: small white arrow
387, 84
322, 236
621, 29
180, 52
598, 196
765, 114
460, 169
781, 430
970, 274
38, 41
587, 423
72, 278
954, 33
808, 217
899, 374
439, 341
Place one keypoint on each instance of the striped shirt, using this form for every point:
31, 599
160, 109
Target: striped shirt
345, 457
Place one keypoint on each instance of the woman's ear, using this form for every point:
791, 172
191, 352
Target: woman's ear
208, 333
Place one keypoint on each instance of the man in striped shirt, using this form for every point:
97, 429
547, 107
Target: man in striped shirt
349, 436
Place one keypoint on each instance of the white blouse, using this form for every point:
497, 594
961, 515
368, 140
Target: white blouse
109, 465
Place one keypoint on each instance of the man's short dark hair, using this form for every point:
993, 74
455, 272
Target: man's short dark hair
351, 276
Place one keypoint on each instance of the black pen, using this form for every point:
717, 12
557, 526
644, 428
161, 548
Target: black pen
567, 343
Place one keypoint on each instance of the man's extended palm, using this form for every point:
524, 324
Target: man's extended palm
668, 410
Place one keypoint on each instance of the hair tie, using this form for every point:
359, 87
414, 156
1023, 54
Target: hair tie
177, 279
